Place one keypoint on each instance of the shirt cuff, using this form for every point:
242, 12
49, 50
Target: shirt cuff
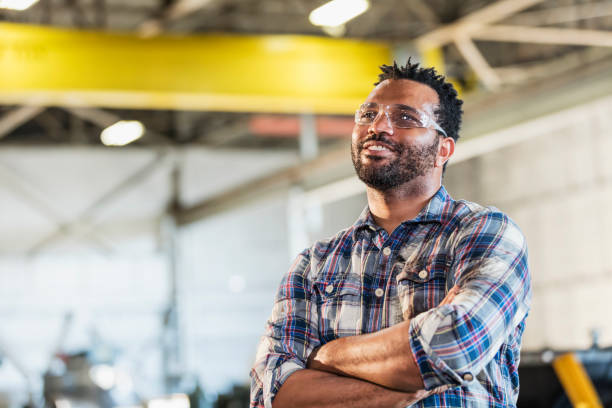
434, 370
276, 376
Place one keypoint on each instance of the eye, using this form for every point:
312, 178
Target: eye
405, 116
405, 119
368, 115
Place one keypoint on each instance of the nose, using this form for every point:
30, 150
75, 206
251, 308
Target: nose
381, 124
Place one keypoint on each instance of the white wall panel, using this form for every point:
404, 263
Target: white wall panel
221, 324
557, 187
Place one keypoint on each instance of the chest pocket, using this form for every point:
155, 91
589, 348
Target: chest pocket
339, 307
422, 285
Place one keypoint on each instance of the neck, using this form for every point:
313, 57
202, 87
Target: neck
390, 208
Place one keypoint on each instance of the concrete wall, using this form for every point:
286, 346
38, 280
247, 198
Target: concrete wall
557, 185
231, 266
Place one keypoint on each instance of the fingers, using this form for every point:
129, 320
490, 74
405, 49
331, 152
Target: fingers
421, 394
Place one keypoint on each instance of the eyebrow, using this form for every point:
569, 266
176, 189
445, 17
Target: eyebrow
399, 105
407, 107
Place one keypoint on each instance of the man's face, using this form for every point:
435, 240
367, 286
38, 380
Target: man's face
386, 157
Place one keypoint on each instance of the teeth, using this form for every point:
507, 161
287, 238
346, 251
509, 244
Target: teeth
376, 147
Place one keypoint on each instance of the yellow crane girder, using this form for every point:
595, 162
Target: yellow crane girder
218, 72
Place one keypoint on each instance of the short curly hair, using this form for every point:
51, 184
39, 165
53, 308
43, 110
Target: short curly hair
449, 114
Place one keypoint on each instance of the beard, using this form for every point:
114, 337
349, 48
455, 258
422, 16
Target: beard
410, 162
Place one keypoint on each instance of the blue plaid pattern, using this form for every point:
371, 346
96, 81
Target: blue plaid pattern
363, 280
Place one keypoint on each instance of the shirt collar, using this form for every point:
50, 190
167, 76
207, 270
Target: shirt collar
436, 208
433, 211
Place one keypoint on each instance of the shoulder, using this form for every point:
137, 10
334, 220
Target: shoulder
340, 242
311, 260
474, 221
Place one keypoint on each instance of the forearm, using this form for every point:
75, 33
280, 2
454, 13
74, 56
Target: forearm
384, 358
314, 388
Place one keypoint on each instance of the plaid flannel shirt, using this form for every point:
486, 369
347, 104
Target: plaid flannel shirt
363, 280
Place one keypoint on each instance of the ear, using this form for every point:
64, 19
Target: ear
446, 148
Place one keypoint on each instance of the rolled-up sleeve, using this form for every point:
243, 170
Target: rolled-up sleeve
452, 343
291, 334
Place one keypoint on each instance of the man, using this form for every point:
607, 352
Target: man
422, 302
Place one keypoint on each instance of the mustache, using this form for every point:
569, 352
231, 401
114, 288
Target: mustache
379, 137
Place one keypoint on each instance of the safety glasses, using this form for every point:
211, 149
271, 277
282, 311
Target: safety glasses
398, 116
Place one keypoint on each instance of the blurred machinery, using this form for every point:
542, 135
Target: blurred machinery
237, 397
547, 380
74, 382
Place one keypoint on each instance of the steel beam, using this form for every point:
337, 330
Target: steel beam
261, 186
309, 139
176, 10
31, 195
273, 73
473, 21
85, 218
544, 35
96, 116
17, 117
104, 119
171, 335
564, 14
479, 64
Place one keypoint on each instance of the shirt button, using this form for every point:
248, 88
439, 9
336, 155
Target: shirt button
468, 377
379, 292
423, 274
329, 288
387, 251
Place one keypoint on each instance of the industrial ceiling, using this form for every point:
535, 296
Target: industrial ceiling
485, 46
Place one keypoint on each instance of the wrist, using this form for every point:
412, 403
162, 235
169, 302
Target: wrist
312, 358
319, 360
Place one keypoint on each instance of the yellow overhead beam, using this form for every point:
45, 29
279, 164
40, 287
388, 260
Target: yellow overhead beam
271, 73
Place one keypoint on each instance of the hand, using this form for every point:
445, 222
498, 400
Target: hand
415, 397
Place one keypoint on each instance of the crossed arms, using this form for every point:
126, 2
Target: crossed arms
371, 370
440, 348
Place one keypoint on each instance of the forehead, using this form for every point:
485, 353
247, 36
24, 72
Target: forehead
404, 91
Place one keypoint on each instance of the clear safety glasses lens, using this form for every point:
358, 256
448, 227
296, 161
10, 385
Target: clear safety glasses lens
400, 116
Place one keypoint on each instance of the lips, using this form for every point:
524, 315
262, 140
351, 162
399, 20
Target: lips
377, 147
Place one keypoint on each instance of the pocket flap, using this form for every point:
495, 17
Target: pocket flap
420, 272
339, 287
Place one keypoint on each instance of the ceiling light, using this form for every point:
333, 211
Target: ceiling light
337, 12
16, 4
122, 133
